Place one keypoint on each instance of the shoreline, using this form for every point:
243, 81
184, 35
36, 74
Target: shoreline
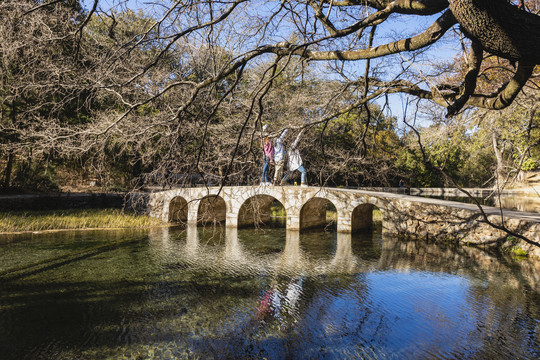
45, 221
26, 232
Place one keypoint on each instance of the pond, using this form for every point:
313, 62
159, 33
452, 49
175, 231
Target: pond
215, 293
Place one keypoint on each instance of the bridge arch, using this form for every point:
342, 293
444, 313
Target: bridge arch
313, 213
211, 209
244, 206
362, 217
178, 210
256, 210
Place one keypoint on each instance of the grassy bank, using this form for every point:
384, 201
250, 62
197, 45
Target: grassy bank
19, 221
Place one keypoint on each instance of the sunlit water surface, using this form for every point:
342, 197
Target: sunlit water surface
211, 293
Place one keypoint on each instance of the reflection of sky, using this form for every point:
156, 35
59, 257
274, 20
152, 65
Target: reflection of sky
409, 312
426, 308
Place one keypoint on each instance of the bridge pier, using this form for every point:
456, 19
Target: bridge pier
293, 222
343, 224
193, 208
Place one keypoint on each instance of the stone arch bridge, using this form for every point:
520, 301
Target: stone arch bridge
305, 208
246, 205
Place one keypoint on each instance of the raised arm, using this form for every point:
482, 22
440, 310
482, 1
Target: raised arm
295, 143
282, 136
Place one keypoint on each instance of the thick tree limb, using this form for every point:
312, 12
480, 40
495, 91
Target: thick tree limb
500, 27
508, 92
386, 8
496, 101
428, 37
416, 7
469, 84
39, 7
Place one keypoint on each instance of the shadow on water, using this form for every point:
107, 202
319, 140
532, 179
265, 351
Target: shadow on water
263, 293
96, 316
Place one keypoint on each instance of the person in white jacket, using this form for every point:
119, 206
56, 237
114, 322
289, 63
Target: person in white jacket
279, 156
295, 161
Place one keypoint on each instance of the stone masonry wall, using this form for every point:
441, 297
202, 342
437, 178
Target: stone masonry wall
463, 226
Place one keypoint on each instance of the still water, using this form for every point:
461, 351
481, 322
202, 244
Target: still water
505, 201
215, 293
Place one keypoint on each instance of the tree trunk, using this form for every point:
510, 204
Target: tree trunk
9, 169
499, 165
11, 156
500, 27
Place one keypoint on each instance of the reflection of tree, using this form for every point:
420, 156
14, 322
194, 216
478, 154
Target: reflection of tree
467, 261
530, 204
504, 313
337, 310
497, 295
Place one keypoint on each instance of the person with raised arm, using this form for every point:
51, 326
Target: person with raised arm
295, 162
279, 156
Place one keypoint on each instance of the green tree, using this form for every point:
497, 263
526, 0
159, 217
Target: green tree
445, 155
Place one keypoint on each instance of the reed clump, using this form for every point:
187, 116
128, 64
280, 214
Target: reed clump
20, 221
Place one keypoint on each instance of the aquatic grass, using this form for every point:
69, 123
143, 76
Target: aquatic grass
32, 267
19, 221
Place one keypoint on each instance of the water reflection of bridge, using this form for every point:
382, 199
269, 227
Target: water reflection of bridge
187, 248
233, 257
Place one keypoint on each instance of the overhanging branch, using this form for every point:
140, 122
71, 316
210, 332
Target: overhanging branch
428, 37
